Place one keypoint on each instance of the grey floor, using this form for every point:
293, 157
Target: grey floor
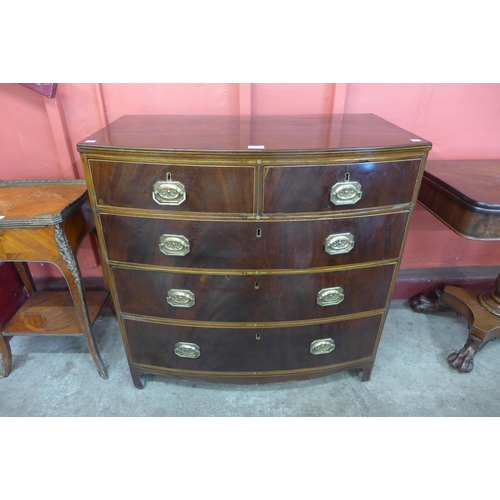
55, 376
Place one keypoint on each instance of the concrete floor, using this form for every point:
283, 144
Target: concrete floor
55, 376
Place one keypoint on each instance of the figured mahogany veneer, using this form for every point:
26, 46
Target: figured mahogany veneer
263, 298
255, 244
306, 189
231, 351
250, 249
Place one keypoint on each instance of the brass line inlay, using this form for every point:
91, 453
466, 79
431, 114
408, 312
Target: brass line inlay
249, 325
252, 217
340, 366
250, 272
248, 160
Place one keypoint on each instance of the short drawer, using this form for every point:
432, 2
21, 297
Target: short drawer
185, 188
266, 298
251, 350
253, 245
326, 188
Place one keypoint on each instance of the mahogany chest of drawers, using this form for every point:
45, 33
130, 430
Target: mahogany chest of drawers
255, 248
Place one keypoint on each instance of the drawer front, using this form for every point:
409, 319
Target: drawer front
355, 186
253, 245
189, 188
271, 298
251, 350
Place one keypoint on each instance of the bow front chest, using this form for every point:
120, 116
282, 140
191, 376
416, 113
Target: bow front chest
252, 249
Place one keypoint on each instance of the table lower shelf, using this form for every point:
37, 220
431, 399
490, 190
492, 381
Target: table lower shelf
52, 313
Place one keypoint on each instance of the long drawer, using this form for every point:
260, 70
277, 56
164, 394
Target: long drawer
253, 245
262, 298
325, 188
251, 350
185, 188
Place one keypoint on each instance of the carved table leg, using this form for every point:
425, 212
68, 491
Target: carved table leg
6, 357
69, 268
484, 326
463, 360
481, 310
428, 303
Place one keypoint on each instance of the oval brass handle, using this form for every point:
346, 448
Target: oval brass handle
345, 193
322, 346
180, 298
169, 192
330, 296
187, 350
174, 244
339, 243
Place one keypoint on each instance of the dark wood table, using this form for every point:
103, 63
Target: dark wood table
465, 195
43, 221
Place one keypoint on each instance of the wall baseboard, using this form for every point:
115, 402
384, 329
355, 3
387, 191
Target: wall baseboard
412, 282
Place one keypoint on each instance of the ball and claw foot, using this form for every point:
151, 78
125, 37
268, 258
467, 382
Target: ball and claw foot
463, 360
428, 303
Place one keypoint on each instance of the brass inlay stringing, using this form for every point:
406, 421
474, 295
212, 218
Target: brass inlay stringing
187, 350
330, 296
180, 298
345, 193
169, 192
174, 244
322, 346
339, 243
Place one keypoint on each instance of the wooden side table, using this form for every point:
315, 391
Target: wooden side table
43, 221
465, 195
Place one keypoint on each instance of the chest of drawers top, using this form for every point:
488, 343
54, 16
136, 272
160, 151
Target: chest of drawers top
256, 133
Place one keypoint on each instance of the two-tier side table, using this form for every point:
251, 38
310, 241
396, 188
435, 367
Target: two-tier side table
44, 221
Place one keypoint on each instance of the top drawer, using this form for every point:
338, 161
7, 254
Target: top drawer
326, 188
186, 188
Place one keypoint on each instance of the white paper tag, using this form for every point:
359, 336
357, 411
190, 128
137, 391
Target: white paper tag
256, 147
415, 140
91, 140
2, 216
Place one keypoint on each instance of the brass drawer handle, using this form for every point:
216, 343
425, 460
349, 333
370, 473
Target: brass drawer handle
322, 346
187, 350
345, 193
330, 296
174, 244
180, 298
339, 243
169, 192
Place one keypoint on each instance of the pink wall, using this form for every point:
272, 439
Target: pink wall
38, 134
463, 122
